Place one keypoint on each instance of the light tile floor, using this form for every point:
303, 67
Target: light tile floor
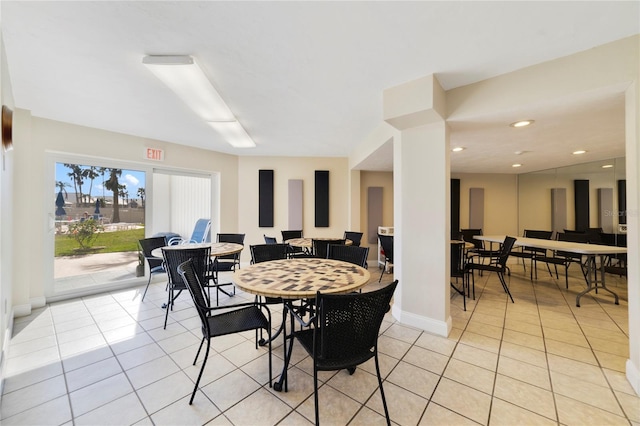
106, 359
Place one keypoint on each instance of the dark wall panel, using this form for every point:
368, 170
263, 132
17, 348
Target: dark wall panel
622, 201
581, 199
455, 209
322, 198
265, 198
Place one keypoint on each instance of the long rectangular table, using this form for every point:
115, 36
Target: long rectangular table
595, 273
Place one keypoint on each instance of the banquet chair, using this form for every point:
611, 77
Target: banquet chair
345, 334
226, 263
352, 254
565, 258
386, 242
478, 249
174, 258
355, 237
156, 264
319, 247
232, 319
457, 270
289, 235
499, 267
532, 253
265, 253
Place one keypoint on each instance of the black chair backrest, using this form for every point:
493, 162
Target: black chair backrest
594, 235
266, 252
457, 254
189, 277
319, 247
574, 237
355, 237
352, 254
230, 238
468, 234
269, 240
147, 245
386, 241
348, 324
173, 258
505, 251
289, 235
542, 235
619, 240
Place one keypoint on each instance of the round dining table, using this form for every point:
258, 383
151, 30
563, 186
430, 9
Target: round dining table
217, 249
296, 279
307, 243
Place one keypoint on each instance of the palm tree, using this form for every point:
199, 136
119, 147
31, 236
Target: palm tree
113, 185
141, 195
91, 173
76, 176
61, 187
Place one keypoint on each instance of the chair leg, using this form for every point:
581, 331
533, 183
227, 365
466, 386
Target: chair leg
199, 349
383, 268
504, 285
315, 393
147, 287
204, 362
384, 400
166, 313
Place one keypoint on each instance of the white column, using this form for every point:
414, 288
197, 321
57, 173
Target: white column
421, 204
632, 132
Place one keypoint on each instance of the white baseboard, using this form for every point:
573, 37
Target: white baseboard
5, 353
38, 302
633, 375
21, 310
440, 328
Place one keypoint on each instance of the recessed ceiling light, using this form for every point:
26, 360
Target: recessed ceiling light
522, 123
516, 165
607, 166
457, 149
581, 151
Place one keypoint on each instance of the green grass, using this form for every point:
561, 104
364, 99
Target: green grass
107, 242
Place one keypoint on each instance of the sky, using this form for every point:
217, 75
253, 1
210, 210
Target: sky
133, 179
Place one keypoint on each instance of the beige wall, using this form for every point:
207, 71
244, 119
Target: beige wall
36, 140
286, 168
500, 201
534, 191
369, 179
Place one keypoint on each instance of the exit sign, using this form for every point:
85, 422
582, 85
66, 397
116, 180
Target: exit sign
154, 154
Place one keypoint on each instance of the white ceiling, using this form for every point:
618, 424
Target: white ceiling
306, 78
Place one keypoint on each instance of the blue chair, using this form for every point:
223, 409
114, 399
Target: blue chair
201, 233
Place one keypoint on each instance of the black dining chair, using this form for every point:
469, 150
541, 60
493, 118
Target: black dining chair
290, 235
355, 237
227, 263
499, 267
319, 248
566, 258
457, 270
156, 264
265, 253
352, 254
345, 334
223, 320
173, 258
386, 242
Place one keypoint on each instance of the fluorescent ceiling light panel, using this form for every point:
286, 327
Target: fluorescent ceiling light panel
234, 133
183, 75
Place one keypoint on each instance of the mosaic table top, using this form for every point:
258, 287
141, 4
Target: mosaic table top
217, 249
307, 242
300, 278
